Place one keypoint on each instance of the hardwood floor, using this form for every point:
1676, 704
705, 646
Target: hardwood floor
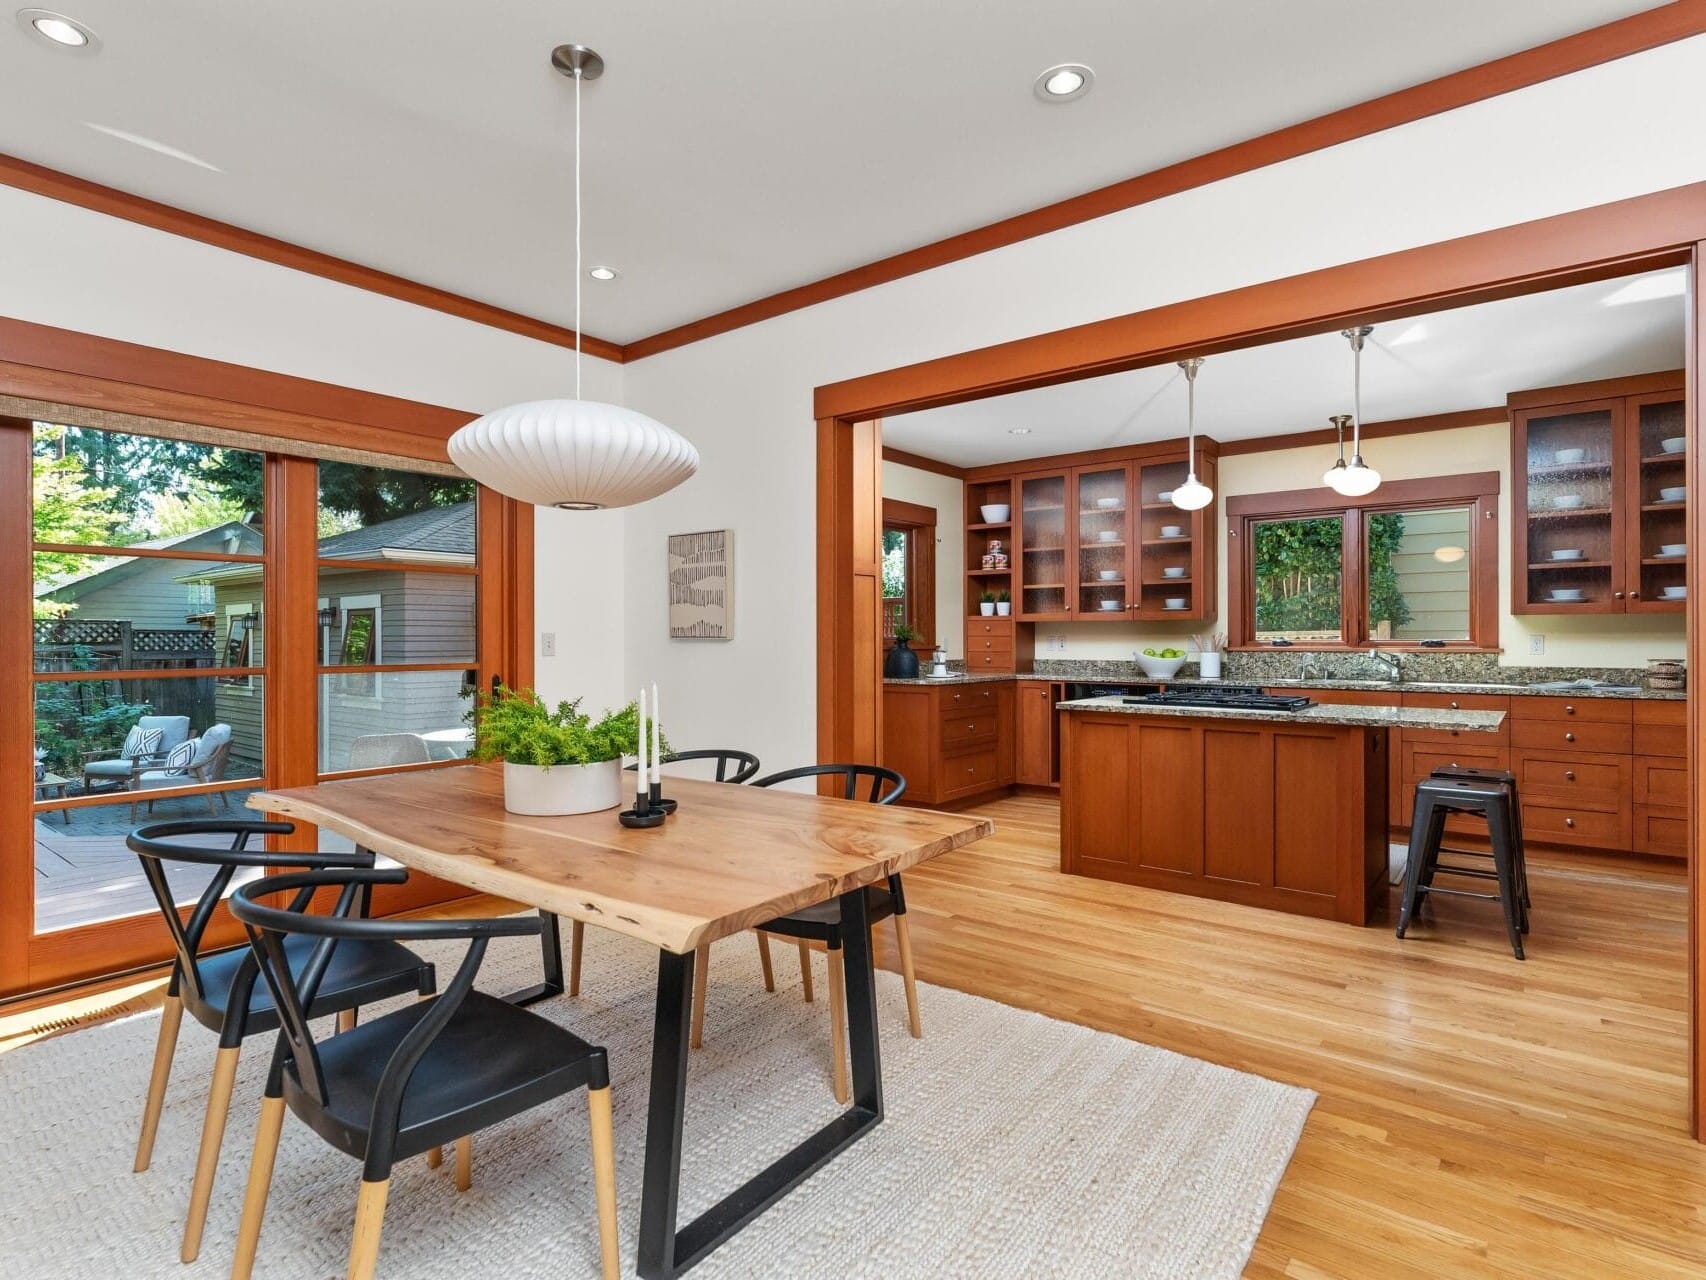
1477, 1117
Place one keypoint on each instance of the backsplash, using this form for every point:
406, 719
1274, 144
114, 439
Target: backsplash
1267, 666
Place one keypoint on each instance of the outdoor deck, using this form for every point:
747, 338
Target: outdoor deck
85, 874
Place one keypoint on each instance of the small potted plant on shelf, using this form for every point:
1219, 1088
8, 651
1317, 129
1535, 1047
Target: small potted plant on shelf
1003, 604
986, 604
902, 662
558, 761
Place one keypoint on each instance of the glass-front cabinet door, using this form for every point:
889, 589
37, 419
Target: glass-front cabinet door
1569, 517
1166, 559
1103, 552
1657, 505
1045, 591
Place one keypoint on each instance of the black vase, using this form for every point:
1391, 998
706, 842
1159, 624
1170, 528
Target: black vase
902, 662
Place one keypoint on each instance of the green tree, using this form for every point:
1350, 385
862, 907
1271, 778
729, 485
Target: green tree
70, 510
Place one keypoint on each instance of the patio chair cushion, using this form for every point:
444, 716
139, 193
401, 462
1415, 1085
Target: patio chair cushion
217, 736
118, 770
173, 729
178, 758
141, 742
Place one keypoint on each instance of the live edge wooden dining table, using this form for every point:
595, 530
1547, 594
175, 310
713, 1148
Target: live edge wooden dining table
731, 857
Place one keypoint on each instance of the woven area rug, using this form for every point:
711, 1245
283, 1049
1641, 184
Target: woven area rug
1013, 1145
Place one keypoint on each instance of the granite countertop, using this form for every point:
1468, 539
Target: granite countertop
963, 677
1371, 686
1331, 714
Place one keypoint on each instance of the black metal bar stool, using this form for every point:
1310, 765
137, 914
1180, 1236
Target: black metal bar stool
1494, 801
1506, 779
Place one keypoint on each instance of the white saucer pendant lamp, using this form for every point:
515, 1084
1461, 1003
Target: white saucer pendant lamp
1193, 494
580, 455
1357, 478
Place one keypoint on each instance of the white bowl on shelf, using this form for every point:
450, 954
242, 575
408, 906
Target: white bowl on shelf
1674, 444
1109, 606
1568, 457
1565, 595
1567, 501
1677, 549
1108, 535
1159, 668
1166, 495
1175, 602
1173, 571
1569, 553
1673, 493
1108, 575
1109, 504
1172, 531
995, 513
1673, 593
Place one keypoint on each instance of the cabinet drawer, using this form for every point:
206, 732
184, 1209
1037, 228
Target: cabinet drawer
1568, 735
1662, 830
973, 772
1459, 701
979, 627
1598, 710
1556, 822
1661, 780
973, 728
1595, 782
1661, 739
989, 644
960, 699
1660, 711
984, 663
1469, 737
1422, 758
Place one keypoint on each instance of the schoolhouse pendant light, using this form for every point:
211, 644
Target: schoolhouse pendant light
1192, 495
1357, 478
1332, 477
579, 455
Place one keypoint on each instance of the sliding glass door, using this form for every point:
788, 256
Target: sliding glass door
182, 624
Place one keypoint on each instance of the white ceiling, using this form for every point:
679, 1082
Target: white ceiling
1468, 358
732, 150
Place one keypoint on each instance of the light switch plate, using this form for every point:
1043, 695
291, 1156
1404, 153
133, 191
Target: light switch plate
547, 644
1057, 644
1536, 644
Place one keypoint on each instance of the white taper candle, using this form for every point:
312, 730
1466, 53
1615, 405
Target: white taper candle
642, 760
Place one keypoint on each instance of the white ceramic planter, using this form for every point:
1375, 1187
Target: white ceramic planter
1208, 665
562, 789
1003, 608
986, 608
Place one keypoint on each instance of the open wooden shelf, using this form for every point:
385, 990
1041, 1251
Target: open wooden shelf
1678, 561
1569, 513
982, 528
1099, 544
1167, 542
1663, 506
1569, 469
1653, 459
1571, 564
989, 573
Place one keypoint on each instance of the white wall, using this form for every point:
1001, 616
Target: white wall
118, 280
745, 398
948, 496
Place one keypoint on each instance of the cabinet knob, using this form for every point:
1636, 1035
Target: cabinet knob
971, 728
1634, 595
1454, 706
1616, 595
1569, 710
1569, 737
1569, 775
956, 697
1569, 822
973, 769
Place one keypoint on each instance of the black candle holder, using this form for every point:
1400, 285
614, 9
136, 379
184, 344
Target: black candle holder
642, 814
657, 799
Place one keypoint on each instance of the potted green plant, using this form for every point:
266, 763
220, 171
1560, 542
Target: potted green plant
986, 604
901, 662
1003, 604
557, 761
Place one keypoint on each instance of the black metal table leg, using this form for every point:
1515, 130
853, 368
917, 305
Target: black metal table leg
551, 957
665, 1252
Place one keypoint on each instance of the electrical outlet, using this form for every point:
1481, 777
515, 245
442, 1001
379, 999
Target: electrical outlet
1057, 644
1536, 644
547, 644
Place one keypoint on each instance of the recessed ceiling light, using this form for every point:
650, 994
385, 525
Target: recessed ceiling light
57, 29
1417, 332
602, 273
154, 145
1667, 284
1018, 431
1065, 83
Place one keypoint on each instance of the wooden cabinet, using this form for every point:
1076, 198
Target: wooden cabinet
951, 743
1659, 823
1598, 510
996, 645
1096, 537
1036, 754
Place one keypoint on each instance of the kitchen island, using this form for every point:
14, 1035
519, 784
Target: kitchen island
1285, 809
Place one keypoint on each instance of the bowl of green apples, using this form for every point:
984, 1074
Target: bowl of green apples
1161, 664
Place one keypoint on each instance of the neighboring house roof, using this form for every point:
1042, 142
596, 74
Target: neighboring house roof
430, 534
115, 569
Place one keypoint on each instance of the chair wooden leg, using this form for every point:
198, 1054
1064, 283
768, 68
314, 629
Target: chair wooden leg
171, 1017
577, 935
806, 969
208, 796
838, 1024
701, 975
435, 1157
464, 1163
207, 1160
604, 1179
764, 959
369, 1221
346, 1021
260, 1183
903, 935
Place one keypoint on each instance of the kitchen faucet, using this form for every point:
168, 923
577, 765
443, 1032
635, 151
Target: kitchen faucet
1391, 663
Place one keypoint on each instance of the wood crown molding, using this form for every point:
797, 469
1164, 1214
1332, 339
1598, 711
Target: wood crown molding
42, 181
1474, 484
917, 461
1607, 43
1634, 34
1639, 384
1370, 431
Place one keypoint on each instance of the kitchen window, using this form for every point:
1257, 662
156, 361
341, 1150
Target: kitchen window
1412, 565
909, 571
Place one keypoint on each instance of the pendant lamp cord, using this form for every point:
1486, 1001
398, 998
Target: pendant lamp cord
1191, 418
1356, 396
577, 233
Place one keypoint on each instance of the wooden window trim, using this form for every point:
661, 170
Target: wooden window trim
1479, 491
919, 523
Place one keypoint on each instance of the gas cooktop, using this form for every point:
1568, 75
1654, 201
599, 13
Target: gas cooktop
1232, 697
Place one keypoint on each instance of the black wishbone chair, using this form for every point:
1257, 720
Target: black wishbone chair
425, 1075
821, 923
219, 988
